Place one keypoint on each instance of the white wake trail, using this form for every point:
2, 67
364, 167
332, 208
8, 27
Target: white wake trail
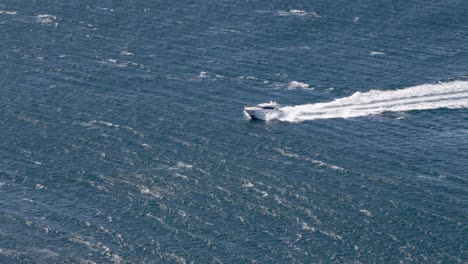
422, 97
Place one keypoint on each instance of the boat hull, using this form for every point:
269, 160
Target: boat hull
263, 114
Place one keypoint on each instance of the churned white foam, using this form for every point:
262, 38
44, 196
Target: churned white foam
272, 116
422, 97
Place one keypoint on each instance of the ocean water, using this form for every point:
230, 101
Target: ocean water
123, 138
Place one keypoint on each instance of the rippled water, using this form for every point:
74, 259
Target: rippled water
122, 137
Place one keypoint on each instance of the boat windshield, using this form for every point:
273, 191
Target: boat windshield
269, 107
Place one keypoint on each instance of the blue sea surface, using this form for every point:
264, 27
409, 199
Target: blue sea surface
123, 138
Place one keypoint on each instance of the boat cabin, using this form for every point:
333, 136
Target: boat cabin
269, 106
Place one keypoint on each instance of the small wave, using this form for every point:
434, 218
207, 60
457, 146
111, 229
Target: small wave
109, 124
105, 9
422, 97
28, 119
145, 190
247, 184
96, 247
122, 64
297, 12
313, 161
103, 123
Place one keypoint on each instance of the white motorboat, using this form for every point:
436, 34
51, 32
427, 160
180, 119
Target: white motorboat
264, 111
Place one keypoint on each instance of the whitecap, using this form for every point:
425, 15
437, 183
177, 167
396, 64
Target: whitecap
126, 53
313, 161
367, 213
295, 84
374, 53
46, 19
247, 77
178, 175
297, 12
203, 75
145, 190
171, 257
305, 226
40, 186
105, 9
109, 124
332, 235
46, 252
184, 165
96, 247
240, 218
12, 13
247, 184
